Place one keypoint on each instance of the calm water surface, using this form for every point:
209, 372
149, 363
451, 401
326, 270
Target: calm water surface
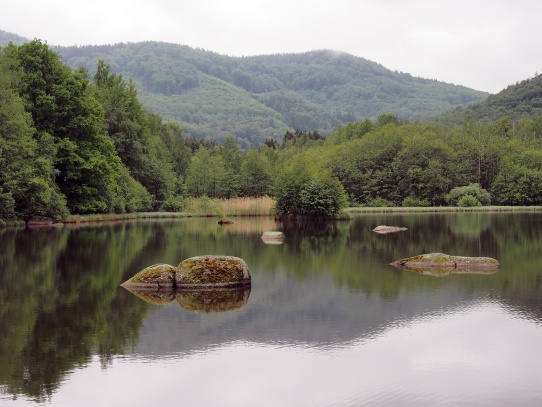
326, 322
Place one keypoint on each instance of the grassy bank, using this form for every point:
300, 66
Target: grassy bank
192, 207
224, 208
112, 217
230, 207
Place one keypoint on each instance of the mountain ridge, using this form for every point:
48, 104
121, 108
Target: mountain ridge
252, 98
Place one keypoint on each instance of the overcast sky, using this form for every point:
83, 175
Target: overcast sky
483, 44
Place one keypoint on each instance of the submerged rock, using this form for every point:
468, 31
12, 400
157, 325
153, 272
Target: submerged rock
433, 263
212, 272
388, 229
273, 237
157, 276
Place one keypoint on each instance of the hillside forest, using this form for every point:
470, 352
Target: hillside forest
76, 143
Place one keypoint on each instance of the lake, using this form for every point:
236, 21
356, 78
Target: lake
326, 322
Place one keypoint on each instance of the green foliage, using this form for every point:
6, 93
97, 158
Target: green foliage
138, 139
255, 174
7, 207
427, 161
411, 202
380, 203
480, 195
518, 101
322, 198
206, 175
303, 186
468, 201
132, 196
64, 112
518, 184
173, 204
26, 179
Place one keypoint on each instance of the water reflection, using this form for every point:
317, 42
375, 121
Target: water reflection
446, 271
217, 300
328, 288
422, 362
212, 300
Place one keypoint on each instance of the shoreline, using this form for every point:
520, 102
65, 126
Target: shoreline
88, 219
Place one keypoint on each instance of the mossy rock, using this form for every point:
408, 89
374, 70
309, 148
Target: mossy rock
475, 262
434, 261
215, 300
212, 272
157, 276
431, 260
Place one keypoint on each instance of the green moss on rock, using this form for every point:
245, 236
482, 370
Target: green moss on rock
212, 272
157, 276
433, 261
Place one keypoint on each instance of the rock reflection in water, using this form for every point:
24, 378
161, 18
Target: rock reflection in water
215, 300
441, 271
154, 297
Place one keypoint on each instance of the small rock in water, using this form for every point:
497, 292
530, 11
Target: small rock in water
273, 237
388, 229
435, 263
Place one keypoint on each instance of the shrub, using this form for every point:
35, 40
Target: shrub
467, 201
411, 201
322, 198
474, 190
173, 204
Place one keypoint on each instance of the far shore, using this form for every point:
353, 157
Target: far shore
352, 211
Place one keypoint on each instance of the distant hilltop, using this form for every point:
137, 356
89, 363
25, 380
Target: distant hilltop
253, 98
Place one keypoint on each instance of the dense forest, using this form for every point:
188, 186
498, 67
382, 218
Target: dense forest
522, 100
72, 142
251, 98
214, 96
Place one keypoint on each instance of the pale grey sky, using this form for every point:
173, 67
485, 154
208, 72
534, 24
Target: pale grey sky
483, 44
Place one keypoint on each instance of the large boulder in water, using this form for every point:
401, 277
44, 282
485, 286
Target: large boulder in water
212, 272
439, 261
157, 276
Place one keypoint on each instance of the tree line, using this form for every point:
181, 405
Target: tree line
70, 143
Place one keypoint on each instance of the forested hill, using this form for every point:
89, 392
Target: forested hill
6, 38
251, 98
519, 101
